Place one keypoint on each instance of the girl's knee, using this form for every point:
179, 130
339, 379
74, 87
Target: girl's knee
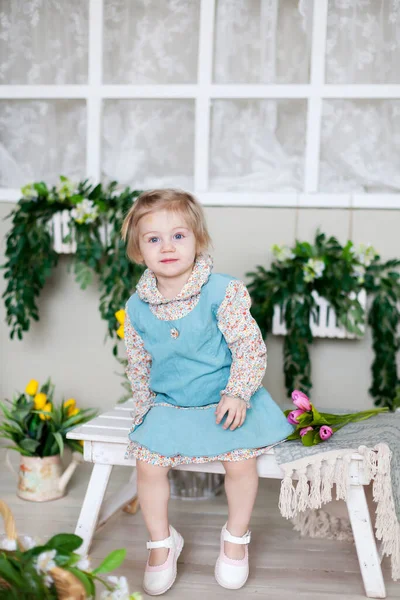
148, 471
242, 468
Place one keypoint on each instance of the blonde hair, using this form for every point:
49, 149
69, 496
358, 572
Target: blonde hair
168, 199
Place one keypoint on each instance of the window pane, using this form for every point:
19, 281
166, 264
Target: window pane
262, 41
149, 143
43, 42
257, 145
41, 139
148, 41
360, 146
363, 42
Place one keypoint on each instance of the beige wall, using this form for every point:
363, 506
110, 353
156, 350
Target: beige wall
68, 341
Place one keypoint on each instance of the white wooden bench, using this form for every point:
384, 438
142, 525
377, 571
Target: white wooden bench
105, 440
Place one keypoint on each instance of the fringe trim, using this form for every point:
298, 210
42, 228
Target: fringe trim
316, 476
320, 524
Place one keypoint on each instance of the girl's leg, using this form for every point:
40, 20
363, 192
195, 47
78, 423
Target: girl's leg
153, 492
241, 484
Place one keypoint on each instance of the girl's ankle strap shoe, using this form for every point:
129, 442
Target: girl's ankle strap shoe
157, 580
229, 573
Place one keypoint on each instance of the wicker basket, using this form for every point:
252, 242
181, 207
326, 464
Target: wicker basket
67, 585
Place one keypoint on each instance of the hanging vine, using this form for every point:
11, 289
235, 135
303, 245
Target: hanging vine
337, 273
31, 258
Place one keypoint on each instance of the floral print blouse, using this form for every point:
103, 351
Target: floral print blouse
241, 332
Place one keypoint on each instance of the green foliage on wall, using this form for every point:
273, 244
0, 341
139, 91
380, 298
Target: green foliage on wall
337, 273
31, 258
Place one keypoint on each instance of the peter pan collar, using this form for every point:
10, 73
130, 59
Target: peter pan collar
147, 286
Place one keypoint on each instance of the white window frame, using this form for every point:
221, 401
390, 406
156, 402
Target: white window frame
203, 92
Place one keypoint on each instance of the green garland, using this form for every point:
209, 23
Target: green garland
338, 273
31, 258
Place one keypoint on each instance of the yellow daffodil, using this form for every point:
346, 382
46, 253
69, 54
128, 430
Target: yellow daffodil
80, 442
47, 408
120, 332
39, 401
70, 403
120, 316
32, 387
73, 411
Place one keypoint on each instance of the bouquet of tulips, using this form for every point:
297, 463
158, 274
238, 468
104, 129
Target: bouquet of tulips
36, 426
313, 427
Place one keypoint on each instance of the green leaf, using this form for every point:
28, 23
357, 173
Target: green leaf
10, 574
59, 440
308, 438
111, 562
83, 275
64, 542
294, 436
29, 445
84, 579
317, 418
305, 419
317, 438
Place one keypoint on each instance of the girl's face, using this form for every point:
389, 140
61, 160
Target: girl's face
167, 244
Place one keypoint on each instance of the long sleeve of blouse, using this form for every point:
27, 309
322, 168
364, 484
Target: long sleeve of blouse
244, 339
138, 371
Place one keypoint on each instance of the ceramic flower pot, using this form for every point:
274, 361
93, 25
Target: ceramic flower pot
41, 479
38, 478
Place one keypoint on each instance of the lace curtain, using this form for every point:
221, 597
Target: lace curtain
255, 144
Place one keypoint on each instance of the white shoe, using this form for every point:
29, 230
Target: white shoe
157, 580
229, 573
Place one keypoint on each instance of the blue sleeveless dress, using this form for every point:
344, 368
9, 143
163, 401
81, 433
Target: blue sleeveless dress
190, 366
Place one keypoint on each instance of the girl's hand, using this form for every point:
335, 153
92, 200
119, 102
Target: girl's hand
236, 409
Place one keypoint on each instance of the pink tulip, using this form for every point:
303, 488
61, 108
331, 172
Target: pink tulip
293, 416
305, 430
325, 432
301, 400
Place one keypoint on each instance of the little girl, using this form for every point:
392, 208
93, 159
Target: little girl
196, 360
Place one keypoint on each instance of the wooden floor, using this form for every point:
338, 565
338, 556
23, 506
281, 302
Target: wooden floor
281, 563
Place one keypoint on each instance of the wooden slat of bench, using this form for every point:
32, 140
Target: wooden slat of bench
109, 423
116, 414
128, 405
100, 434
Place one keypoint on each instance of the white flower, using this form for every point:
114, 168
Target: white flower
84, 564
48, 580
282, 253
66, 188
313, 269
28, 191
359, 272
365, 254
26, 541
85, 212
44, 563
29, 542
7, 544
120, 590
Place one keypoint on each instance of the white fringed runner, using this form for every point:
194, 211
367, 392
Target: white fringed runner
319, 468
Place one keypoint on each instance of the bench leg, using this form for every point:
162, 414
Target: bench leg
120, 499
90, 510
364, 538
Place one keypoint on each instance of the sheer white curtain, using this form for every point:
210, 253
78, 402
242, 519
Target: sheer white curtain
255, 145
360, 139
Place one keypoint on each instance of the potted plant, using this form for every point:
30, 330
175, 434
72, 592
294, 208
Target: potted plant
38, 428
31, 570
